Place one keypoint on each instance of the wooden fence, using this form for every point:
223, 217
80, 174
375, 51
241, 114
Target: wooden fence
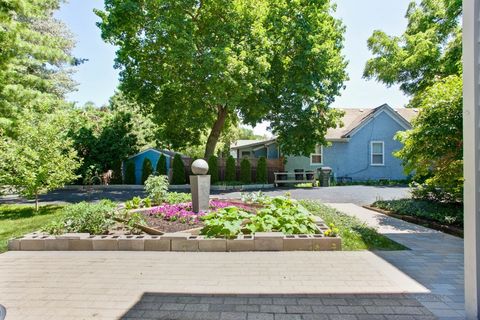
273, 165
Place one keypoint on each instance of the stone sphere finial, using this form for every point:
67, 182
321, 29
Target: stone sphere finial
199, 167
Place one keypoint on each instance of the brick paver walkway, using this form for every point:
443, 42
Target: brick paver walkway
250, 285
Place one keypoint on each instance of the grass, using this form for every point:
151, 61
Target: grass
17, 220
444, 213
355, 234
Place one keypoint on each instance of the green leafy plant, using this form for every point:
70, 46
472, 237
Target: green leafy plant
157, 188
245, 171
178, 176
230, 170
136, 202
178, 197
161, 169
332, 231
94, 218
133, 221
147, 169
262, 174
213, 169
255, 197
130, 172
227, 222
147, 202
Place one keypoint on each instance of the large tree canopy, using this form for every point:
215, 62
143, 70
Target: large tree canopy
196, 64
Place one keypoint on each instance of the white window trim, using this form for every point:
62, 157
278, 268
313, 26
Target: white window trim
317, 154
372, 154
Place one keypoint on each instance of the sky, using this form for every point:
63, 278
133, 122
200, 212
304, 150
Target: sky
98, 79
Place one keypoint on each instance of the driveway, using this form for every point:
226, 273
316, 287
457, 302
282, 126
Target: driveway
345, 194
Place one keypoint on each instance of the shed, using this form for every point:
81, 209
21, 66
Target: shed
153, 155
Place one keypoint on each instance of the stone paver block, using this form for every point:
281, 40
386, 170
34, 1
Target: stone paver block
260, 316
297, 243
14, 244
56, 244
157, 244
212, 245
176, 235
32, 244
233, 316
320, 243
73, 236
269, 241
188, 244
241, 243
80, 244
131, 243
105, 243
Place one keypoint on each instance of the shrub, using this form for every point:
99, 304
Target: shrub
262, 170
157, 188
162, 166
94, 218
130, 172
230, 170
147, 169
177, 197
213, 168
178, 176
245, 171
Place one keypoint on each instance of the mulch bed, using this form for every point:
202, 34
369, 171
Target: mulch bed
455, 231
169, 226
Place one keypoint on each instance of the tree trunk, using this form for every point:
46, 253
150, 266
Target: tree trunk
216, 131
36, 201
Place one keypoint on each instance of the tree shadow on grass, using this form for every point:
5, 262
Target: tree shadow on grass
16, 212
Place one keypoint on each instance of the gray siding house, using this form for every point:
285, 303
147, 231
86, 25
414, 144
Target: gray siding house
362, 149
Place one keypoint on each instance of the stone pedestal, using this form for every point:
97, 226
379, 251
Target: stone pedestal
200, 189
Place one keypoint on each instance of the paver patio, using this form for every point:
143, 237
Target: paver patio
249, 285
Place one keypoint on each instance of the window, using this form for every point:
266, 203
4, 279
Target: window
245, 154
377, 150
317, 157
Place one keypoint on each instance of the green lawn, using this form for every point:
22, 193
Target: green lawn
17, 220
444, 213
355, 234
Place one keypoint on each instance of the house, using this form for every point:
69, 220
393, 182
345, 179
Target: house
153, 155
362, 149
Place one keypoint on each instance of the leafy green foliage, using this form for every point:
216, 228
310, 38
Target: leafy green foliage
230, 169
178, 176
355, 234
256, 197
133, 220
40, 157
130, 172
445, 213
162, 166
262, 174
94, 218
274, 60
213, 169
434, 146
245, 171
227, 222
147, 170
157, 188
178, 197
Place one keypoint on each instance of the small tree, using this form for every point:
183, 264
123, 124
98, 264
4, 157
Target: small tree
245, 171
130, 172
178, 176
157, 188
213, 168
40, 158
162, 166
262, 170
147, 169
230, 170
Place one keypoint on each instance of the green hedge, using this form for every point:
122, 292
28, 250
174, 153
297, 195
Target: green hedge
147, 169
213, 168
245, 171
262, 170
162, 166
230, 170
130, 172
178, 176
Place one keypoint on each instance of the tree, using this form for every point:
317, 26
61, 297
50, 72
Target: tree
196, 65
162, 165
434, 147
178, 175
245, 171
426, 62
213, 168
147, 169
40, 157
230, 170
262, 170
130, 172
